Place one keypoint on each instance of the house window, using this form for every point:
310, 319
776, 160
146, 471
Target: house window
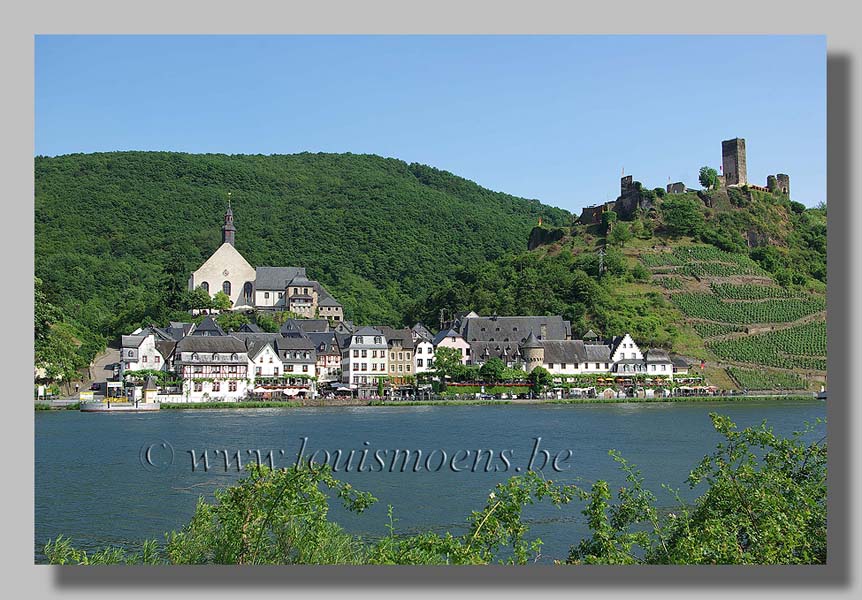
430, 362
305, 368
216, 386
288, 368
407, 368
225, 287
400, 356
663, 367
356, 354
392, 368
215, 357
365, 353
364, 367
266, 295
216, 369
418, 362
258, 371
281, 295
563, 366
275, 371
408, 356
400, 368
358, 339
206, 286
231, 386
199, 386
198, 369
144, 359
305, 291
377, 339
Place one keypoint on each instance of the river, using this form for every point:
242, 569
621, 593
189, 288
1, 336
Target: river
120, 478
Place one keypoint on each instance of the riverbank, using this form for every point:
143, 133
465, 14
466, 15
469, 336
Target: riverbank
469, 402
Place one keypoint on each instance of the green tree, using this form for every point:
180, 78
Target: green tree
222, 301
682, 215
539, 379
447, 362
708, 178
492, 370
620, 235
380, 386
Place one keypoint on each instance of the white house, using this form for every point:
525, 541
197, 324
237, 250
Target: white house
364, 361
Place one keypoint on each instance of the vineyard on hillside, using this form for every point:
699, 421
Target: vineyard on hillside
724, 295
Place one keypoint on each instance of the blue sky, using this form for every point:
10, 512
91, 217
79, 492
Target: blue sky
550, 117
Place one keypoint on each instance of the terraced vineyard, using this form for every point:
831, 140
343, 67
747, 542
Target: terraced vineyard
703, 261
711, 307
707, 330
801, 347
765, 380
670, 283
730, 291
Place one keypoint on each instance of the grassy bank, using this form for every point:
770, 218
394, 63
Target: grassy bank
190, 405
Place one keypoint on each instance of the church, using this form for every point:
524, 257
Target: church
264, 288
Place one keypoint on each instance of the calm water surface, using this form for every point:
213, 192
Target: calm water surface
92, 487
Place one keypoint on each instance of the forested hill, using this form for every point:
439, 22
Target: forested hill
115, 232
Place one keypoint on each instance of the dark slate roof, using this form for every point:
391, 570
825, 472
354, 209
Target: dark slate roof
420, 330
515, 328
444, 334
343, 339
289, 346
328, 301
208, 327
324, 342
275, 278
597, 353
151, 383
590, 335
211, 343
250, 328
483, 351
131, 341
564, 351
367, 330
300, 297
165, 348
531, 342
402, 335
305, 325
680, 362
255, 342
657, 355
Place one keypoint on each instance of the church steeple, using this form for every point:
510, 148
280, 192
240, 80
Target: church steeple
228, 231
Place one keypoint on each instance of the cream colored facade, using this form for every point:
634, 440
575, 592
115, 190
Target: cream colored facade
226, 266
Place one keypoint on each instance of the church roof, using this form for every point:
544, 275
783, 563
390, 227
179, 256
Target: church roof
275, 278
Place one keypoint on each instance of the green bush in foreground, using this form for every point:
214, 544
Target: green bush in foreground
764, 503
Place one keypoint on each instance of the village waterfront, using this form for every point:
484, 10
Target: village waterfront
94, 486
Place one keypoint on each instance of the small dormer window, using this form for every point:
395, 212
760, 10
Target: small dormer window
358, 339
514, 329
194, 355
234, 356
377, 340
215, 356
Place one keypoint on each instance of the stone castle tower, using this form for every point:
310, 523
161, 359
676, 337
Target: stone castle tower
733, 162
228, 230
533, 352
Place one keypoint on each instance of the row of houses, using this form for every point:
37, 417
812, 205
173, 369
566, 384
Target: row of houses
308, 357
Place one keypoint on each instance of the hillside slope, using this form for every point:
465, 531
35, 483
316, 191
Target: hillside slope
115, 230
734, 279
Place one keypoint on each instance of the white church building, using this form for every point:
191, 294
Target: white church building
265, 288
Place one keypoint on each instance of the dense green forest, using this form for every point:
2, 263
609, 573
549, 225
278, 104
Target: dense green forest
117, 234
